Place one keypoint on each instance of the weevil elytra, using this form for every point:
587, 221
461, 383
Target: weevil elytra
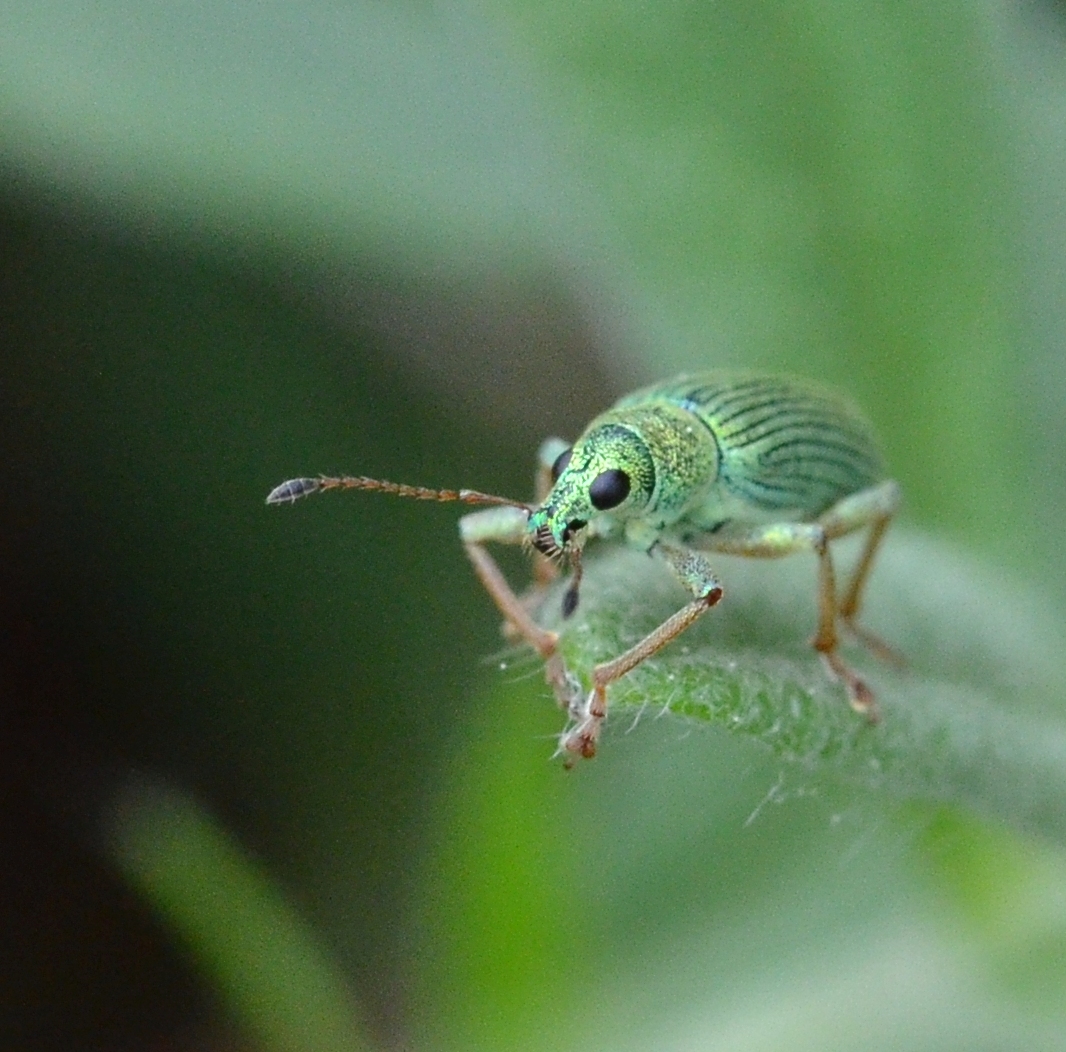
742, 464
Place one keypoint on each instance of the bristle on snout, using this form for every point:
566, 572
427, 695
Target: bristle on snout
544, 542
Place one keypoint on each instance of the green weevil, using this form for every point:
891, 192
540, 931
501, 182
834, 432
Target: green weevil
742, 464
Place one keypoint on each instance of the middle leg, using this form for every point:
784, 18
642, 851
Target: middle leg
780, 539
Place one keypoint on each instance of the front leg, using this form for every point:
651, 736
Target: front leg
544, 570
695, 573
507, 525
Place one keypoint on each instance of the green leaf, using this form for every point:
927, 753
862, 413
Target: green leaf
272, 970
967, 724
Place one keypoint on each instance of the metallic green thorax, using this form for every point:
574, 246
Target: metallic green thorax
705, 453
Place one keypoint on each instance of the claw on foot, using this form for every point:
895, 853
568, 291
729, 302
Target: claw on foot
860, 697
582, 738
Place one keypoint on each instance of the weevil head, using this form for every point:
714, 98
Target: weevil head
608, 473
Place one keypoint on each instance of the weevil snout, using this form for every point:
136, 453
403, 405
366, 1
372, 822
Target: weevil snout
544, 542
571, 528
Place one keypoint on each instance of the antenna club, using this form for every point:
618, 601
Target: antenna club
293, 490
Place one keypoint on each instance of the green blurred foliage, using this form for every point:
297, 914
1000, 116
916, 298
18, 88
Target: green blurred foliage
246, 243
265, 963
818, 189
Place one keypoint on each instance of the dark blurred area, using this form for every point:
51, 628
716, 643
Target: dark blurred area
156, 617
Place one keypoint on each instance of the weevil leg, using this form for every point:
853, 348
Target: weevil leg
777, 540
826, 641
544, 569
507, 525
550, 451
879, 506
695, 573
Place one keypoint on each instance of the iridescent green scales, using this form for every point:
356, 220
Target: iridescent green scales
784, 447
743, 464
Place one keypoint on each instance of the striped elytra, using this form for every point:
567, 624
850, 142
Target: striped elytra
783, 443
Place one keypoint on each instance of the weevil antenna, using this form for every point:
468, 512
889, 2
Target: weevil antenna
294, 489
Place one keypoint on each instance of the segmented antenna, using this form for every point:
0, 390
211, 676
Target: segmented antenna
294, 489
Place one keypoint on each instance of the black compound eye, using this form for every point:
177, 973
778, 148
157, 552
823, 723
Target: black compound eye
560, 463
609, 489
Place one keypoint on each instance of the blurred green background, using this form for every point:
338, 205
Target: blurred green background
265, 783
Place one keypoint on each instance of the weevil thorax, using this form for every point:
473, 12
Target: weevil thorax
636, 469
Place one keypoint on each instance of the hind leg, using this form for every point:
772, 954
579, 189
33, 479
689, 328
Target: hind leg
873, 507
884, 503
